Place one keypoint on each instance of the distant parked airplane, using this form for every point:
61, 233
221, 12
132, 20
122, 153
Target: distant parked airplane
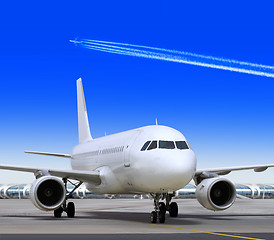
153, 159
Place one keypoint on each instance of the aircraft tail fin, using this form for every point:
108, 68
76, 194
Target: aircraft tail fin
83, 124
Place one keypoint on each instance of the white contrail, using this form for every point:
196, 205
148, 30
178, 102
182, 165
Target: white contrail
178, 56
184, 53
124, 49
165, 58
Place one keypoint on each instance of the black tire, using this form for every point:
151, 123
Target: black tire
162, 216
153, 217
173, 209
71, 210
162, 207
58, 212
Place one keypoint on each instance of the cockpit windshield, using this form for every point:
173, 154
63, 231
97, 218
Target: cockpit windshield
162, 144
166, 144
145, 146
153, 145
181, 145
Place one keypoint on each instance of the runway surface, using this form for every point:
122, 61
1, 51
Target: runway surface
129, 219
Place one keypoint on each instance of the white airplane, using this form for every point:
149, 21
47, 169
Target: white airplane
155, 160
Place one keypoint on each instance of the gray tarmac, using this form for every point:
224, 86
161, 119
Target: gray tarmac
130, 219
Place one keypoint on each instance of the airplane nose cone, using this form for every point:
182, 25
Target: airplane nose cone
183, 163
163, 170
176, 169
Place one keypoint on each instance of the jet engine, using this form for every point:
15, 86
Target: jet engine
47, 193
216, 193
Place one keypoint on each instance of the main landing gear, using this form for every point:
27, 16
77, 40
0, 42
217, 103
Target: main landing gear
160, 208
68, 208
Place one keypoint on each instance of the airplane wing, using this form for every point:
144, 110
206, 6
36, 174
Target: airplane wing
49, 154
79, 175
227, 170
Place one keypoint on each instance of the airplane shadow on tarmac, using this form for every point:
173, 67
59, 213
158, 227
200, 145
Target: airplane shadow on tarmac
194, 219
120, 216
182, 219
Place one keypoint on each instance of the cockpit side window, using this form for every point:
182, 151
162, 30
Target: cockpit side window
145, 146
153, 145
181, 145
166, 144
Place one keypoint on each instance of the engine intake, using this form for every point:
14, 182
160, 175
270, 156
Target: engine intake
216, 193
47, 193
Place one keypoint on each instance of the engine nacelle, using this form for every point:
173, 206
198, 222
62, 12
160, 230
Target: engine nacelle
47, 193
216, 193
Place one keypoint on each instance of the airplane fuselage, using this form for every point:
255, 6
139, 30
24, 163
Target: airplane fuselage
126, 166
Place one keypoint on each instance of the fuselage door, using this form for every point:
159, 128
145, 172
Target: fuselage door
128, 148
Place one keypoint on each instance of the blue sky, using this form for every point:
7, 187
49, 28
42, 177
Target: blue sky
227, 117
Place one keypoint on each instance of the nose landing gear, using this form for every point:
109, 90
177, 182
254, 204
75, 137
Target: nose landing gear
171, 207
160, 208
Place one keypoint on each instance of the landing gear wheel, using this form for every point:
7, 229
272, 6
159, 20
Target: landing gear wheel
162, 216
58, 212
162, 207
71, 210
173, 209
153, 217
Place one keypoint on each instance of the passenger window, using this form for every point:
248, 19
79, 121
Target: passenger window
166, 144
181, 145
145, 146
153, 145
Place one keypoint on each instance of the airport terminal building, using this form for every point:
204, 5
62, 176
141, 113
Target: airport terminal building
249, 191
